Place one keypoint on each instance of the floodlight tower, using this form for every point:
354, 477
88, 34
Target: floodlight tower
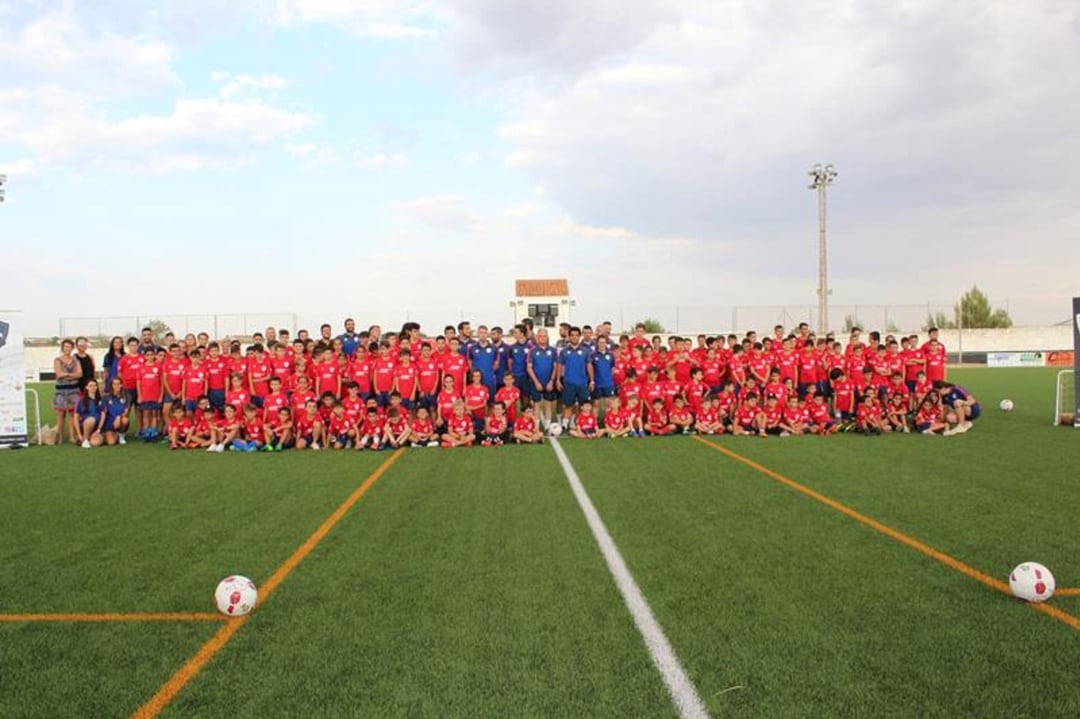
820, 178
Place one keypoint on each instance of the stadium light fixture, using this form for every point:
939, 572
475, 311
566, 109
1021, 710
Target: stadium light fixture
820, 178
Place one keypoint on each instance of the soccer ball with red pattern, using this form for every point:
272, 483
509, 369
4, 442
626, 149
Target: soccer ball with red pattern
1032, 582
236, 596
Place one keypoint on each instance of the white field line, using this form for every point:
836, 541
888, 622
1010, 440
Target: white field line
683, 693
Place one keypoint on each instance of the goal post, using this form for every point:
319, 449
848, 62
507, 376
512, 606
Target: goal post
1064, 399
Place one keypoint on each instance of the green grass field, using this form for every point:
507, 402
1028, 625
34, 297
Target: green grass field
467, 582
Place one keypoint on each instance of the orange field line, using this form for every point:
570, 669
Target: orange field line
1067, 592
117, 617
174, 684
899, 536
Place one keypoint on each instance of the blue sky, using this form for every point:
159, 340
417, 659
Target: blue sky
365, 157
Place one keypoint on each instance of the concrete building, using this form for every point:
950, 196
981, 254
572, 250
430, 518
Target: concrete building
547, 302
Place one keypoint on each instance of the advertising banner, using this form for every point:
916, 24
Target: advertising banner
12, 382
1015, 359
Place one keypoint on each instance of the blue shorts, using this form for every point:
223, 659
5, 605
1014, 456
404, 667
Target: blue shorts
541, 394
382, 399
191, 405
574, 394
341, 439
429, 401
217, 399
95, 417
601, 392
132, 396
167, 398
523, 384
150, 406
976, 410
256, 401
923, 427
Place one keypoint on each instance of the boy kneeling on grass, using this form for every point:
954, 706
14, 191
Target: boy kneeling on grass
459, 428
526, 430
587, 426
616, 421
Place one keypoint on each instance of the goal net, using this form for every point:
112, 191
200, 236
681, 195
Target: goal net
1065, 399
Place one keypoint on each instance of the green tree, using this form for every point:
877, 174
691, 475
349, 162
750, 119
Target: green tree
160, 329
974, 311
652, 326
939, 320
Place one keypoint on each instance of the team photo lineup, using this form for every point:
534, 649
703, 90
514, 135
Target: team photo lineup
377, 390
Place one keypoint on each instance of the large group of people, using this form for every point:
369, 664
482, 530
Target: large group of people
371, 390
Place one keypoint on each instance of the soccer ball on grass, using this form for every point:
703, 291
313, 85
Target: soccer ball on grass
1032, 582
236, 596
555, 429
1006, 405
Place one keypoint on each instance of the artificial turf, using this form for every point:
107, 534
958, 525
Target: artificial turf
466, 582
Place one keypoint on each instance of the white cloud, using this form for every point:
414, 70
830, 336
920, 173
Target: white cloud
441, 212
313, 155
386, 19
233, 86
471, 159
394, 161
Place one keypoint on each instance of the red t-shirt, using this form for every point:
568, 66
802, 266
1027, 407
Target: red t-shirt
525, 423
406, 377
657, 418
259, 372
681, 416
935, 365
422, 426
586, 422
196, 381
509, 396
460, 425
180, 426
713, 370
149, 382
497, 425
174, 370
745, 415
129, 370
429, 372
305, 424
476, 397
456, 366
819, 413
708, 415
359, 371
237, 398
615, 419
253, 428
340, 425
217, 373
844, 395
273, 402
788, 364
382, 370
446, 404
327, 378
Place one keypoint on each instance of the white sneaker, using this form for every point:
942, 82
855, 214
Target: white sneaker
121, 439
85, 444
965, 426
951, 431
433, 443
314, 446
212, 448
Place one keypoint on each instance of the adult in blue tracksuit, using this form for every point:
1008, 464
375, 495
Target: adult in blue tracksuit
540, 367
482, 356
959, 400
518, 361
575, 374
603, 365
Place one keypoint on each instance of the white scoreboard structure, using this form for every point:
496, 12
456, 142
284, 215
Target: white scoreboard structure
546, 302
13, 425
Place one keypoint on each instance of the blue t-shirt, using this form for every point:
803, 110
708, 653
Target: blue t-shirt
482, 357
519, 358
542, 360
349, 342
575, 360
115, 406
956, 393
89, 407
603, 369
502, 358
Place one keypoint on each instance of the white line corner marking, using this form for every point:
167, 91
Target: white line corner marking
683, 693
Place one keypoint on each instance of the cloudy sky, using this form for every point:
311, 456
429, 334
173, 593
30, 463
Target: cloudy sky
384, 157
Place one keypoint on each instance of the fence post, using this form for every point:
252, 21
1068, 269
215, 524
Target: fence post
676, 318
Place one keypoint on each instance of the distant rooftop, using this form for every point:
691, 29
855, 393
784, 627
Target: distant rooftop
541, 288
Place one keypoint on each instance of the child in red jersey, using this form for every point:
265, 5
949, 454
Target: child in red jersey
203, 421
496, 427
226, 428
776, 387
772, 414
635, 416
299, 398
923, 386
896, 410
406, 379
616, 423
308, 427
180, 428
868, 415
421, 430
371, 430
353, 403
259, 372
382, 374
696, 389
928, 419
340, 430
681, 416
509, 395
251, 429
748, 419
397, 429
707, 419
460, 430
586, 426
274, 400
476, 399
843, 395
796, 419
821, 417
429, 372
279, 431
526, 430
656, 421
326, 410
237, 396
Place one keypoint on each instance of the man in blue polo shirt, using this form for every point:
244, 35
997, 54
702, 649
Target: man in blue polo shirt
518, 361
540, 367
350, 340
575, 374
603, 365
482, 356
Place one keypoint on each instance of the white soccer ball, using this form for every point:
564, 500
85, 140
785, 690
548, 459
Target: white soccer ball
555, 429
236, 596
1032, 582
1006, 405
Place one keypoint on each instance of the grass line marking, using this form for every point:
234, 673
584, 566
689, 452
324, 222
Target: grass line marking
117, 617
1067, 592
206, 652
682, 691
948, 561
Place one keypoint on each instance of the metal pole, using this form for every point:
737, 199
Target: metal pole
823, 280
960, 333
